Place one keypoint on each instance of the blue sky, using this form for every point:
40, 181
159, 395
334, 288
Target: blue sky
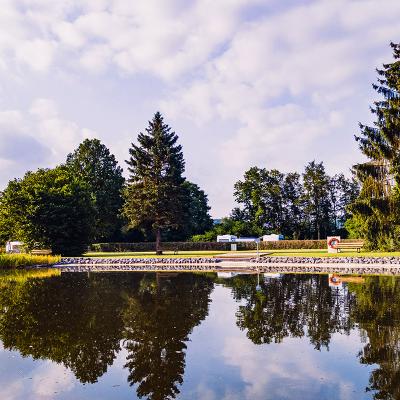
242, 82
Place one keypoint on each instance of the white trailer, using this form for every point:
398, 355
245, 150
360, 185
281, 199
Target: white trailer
272, 238
14, 247
226, 238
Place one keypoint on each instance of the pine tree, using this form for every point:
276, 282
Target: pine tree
155, 195
376, 209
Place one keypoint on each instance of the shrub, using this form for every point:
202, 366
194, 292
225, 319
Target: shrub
198, 246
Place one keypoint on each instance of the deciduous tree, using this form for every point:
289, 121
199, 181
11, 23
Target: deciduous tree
94, 165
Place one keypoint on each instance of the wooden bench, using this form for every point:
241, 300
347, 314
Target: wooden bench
349, 246
41, 252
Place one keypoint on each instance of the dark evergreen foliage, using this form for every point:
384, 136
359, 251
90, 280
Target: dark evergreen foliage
376, 211
155, 195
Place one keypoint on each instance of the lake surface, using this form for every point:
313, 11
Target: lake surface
199, 336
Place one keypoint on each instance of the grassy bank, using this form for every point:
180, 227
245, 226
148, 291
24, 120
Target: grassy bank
10, 261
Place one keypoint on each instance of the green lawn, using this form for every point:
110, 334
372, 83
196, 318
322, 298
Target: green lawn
283, 253
324, 253
151, 254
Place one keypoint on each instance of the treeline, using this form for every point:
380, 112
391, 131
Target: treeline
312, 205
86, 199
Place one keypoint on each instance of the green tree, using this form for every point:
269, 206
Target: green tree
48, 208
155, 195
342, 192
227, 226
377, 208
293, 206
261, 194
94, 165
317, 207
198, 219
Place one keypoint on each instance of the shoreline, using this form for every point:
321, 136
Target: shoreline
344, 265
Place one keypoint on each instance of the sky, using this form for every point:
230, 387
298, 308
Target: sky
243, 83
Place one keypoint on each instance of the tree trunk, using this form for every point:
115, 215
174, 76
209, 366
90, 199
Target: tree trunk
158, 242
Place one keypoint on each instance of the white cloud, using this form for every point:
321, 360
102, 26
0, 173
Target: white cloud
39, 137
260, 82
38, 54
44, 108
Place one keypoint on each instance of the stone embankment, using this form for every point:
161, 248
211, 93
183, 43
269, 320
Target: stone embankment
85, 264
327, 260
345, 265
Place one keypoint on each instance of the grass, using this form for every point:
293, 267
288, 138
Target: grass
324, 253
151, 254
10, 261
283, 253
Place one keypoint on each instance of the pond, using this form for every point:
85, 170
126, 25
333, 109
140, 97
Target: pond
199, 336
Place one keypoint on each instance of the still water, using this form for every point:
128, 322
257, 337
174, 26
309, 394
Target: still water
198, 336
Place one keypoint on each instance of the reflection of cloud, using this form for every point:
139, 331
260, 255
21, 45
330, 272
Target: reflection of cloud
11, 391
26, 379
50, 378
280, 370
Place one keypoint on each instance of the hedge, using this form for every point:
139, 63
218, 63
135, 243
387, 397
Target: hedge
198, 246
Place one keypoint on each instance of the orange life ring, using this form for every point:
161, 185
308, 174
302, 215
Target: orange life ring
332, 242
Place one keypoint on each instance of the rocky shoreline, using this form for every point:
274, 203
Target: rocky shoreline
344, 265
327, 260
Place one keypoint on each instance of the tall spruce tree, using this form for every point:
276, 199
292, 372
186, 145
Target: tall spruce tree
155, 195
376, 211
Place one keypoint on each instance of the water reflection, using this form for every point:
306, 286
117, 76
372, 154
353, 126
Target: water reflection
85, 322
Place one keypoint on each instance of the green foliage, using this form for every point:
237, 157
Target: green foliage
197, 219
93, 165
377, 207
310, 206
155, 196
48, 208
228, 226
317, 207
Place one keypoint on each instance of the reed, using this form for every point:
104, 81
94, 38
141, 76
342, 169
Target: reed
10, 261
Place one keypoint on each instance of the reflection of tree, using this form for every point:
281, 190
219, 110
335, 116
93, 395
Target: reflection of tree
69, 319
378, 316
295, 305
158, 320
